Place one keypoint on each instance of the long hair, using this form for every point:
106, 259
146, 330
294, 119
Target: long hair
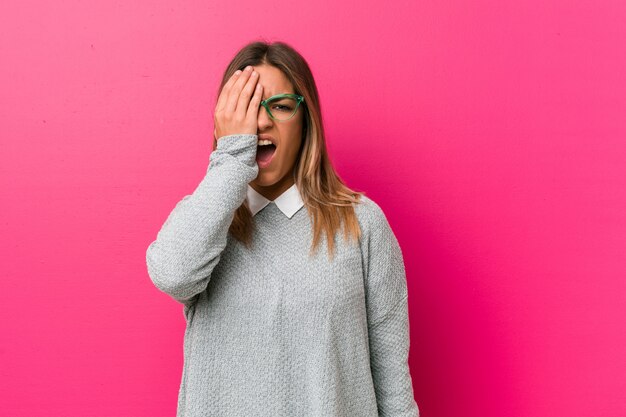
328, 201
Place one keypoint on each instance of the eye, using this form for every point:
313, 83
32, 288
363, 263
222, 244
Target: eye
282, 107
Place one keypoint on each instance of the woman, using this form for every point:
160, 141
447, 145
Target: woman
276, 326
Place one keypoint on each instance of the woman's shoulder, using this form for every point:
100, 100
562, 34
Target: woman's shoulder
377, 232
370, 214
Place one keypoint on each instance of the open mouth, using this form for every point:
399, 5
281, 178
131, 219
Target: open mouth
264, 154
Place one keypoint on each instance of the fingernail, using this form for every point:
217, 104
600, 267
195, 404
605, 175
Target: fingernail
237, 72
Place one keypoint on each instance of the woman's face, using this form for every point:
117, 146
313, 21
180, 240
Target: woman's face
277, 177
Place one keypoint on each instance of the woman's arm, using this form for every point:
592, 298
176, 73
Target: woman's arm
388, 321
191, 240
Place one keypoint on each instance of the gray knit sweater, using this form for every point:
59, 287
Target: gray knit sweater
270, 331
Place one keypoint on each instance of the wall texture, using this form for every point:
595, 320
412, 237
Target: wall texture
491, 133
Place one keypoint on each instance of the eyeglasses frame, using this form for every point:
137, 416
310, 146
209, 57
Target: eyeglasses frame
299, 99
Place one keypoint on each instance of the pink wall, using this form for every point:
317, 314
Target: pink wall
492, 134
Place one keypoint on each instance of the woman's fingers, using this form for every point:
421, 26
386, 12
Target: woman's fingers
221, 101
246, 93
255, 102
238, 104
233, 96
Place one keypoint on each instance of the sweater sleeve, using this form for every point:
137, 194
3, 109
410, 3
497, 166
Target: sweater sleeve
388, 322
190, 242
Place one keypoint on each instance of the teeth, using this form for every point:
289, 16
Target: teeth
264, 142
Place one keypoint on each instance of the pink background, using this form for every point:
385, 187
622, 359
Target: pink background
492, 133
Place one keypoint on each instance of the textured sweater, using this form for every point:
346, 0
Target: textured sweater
271, 331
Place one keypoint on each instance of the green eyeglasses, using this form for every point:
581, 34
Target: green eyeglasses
282, 107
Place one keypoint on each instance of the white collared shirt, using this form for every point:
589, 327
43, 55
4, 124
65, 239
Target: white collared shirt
288, 202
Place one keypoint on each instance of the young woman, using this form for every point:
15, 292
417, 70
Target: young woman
287, 315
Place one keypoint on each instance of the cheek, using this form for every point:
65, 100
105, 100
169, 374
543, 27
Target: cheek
292, 139
290, 151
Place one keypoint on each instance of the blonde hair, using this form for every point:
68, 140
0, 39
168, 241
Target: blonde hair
328, 201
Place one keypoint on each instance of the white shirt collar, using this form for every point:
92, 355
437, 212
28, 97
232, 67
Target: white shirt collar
288, 202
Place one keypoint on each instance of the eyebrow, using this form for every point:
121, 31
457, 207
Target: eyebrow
275, 95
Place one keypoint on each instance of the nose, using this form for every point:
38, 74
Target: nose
264, 120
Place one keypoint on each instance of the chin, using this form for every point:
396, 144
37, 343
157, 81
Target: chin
265, 179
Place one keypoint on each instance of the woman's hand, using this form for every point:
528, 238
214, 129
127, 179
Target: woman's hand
238, 105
